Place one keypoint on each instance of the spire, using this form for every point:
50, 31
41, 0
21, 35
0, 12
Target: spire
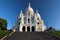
21, 11
20, 14
36, 11
29, 8
29, 4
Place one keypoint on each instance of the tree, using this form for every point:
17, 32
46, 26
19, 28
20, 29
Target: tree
3, 24
51, 29
0, 25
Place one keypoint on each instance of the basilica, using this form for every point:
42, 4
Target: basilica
29, 21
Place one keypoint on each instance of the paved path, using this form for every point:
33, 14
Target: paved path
30, 36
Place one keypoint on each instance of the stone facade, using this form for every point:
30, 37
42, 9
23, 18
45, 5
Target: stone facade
29, 21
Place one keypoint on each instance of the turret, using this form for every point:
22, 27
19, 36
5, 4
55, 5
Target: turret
20, 18
21, 14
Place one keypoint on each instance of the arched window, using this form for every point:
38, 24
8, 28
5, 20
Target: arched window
37, 18
23, 28
28, 20
28, 28
32, 19
33, 28
20, 20
29, 14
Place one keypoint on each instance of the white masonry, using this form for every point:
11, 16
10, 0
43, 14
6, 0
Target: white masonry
29, 21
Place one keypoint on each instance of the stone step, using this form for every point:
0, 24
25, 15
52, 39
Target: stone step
30, 36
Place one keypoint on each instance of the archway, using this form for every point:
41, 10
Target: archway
28, 29
33, 28
23, 28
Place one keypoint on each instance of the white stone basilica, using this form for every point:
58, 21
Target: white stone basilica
29, 21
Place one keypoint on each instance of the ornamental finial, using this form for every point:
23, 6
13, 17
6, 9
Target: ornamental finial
29, 4
21, 11
36, 11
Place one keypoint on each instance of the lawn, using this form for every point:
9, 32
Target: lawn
57, 33
3, 33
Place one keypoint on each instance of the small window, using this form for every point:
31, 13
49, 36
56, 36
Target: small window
24, 18
19, 23
32, 19
37, 18
28, 14
38, 23
24, 22
19, 19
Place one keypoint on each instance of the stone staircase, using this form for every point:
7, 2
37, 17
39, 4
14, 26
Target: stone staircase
30, 36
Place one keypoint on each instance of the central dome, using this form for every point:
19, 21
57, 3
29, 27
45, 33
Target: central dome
29, 8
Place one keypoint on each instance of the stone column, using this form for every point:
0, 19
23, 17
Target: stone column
36, 27
30, 28
27, 19
20, 29
30, 19
26, 29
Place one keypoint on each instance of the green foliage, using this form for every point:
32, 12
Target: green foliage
3, 24
57, 33
3, 33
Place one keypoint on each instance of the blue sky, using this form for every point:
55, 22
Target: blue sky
48, 9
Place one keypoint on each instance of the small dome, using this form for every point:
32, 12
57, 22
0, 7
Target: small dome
29, 8
38, 15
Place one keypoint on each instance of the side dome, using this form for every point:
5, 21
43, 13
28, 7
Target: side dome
38, 15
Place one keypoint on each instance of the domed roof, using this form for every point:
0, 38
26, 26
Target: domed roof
29, 8
38, 15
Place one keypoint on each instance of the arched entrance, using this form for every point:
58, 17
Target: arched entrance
23, 29
33, 28
28, 29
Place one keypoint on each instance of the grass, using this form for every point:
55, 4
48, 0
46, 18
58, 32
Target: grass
3, 33
57, 33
